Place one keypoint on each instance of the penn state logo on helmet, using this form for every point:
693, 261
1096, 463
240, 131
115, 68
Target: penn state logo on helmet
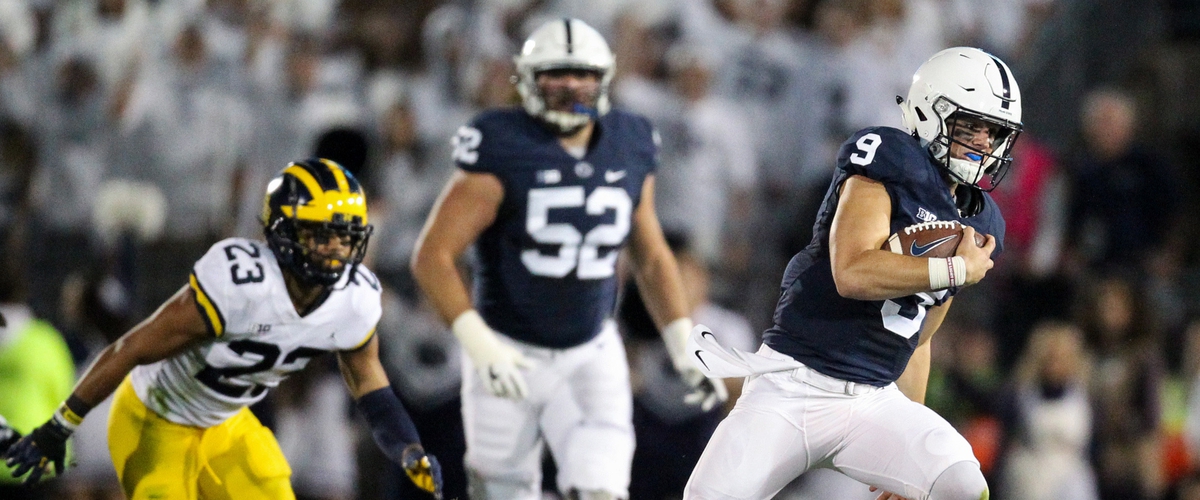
308, 203
557, 45
965, 83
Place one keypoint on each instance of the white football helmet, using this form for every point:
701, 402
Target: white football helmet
964, 82
563, 44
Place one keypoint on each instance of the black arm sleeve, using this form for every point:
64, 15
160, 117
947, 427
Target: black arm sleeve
390, 424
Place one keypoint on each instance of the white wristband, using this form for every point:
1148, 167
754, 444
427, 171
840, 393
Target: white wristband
947, 273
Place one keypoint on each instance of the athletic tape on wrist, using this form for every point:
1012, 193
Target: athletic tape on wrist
958, 271
947, 273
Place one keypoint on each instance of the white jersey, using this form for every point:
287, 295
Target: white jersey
258, 336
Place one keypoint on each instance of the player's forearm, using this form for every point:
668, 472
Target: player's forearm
175, 326
106, 373
658, 280
439, 279
881, 275
391, 425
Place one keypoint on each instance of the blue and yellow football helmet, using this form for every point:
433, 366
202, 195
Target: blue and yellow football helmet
315, 198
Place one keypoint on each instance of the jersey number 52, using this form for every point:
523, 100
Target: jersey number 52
577, 252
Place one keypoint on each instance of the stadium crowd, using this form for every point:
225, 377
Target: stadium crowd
135, 133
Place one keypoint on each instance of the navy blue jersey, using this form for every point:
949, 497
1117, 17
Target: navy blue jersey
868, 341
546, 271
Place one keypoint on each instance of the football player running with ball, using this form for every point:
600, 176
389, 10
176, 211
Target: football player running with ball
549, 195
251, 314
855, 321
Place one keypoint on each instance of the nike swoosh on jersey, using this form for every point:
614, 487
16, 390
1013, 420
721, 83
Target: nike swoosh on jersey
611, 176
698, 351
919, 250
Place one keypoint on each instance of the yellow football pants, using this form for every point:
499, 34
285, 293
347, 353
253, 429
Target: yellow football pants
158, 459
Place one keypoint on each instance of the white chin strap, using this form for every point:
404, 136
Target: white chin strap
566, 121
968, 171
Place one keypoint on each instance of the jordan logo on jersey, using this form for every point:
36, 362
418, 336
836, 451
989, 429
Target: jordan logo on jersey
925, 215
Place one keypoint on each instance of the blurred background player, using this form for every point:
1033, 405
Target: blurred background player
36, 373
860, 319
251, 314
550, 195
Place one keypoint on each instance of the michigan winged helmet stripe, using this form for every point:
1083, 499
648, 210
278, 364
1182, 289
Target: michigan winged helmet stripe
331, 195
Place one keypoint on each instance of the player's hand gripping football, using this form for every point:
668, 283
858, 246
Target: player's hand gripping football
423, 469
34, 453
706, 392
498, 363
978, 259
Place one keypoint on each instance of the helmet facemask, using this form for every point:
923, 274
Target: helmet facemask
297, 244
568, 110
983, 169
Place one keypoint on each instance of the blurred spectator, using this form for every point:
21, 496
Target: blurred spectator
671, 434
1003, 27
1030, 283
283, 72
74, 151
440, 95
965, 387
36, 374
188, 116
771, 74
18, 34
96, 311
403, 187
424, 363
707, 175
1048, 457
18, 161
876, 60
111, 32
1125, 386
1123, 196
316, 433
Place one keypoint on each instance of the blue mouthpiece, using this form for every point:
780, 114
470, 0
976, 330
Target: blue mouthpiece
974, 157
585, 110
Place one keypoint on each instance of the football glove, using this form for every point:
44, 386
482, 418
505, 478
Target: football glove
33, 453
8, 436
498, 363
706, 392
423, 470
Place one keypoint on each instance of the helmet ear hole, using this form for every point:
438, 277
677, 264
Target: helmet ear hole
921, 115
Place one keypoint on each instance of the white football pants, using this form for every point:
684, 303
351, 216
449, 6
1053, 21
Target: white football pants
579, 404
788, 422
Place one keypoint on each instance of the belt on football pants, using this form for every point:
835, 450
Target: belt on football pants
826, 383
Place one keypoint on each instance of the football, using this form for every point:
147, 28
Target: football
936, 239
